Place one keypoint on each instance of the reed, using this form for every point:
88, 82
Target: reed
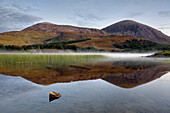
48, 59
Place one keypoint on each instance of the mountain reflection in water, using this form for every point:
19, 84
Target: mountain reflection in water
123, 73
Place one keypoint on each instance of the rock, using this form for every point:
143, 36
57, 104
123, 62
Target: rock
54, 95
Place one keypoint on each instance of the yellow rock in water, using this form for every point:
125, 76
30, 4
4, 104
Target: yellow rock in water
54, 95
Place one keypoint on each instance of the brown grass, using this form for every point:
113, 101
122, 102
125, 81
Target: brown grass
24, 37
105, 42
33, 37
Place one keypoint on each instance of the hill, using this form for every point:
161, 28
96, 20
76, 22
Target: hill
75, 41
20, 38
97, 41
51, 36
105, 42
55, 29
129, 27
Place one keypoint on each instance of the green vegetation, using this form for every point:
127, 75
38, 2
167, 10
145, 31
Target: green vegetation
60, 45
53, 46
38, 47
2, 46
135, 44
87, 49
46, 59
63, 45
27, 40
71, 41
163, 53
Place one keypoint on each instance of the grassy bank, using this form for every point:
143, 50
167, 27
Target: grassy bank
47, 59
162, 54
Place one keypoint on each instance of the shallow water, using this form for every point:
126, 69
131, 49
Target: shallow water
120, 85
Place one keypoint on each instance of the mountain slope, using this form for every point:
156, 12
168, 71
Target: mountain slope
52, 28
20, 38
105, 42
129, 27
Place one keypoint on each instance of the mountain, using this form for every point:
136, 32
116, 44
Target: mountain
55, 29
97, 39
129, 27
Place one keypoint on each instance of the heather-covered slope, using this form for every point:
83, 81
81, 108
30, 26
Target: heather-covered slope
93, 41
129, 27
105, 42
20, 38
52, 28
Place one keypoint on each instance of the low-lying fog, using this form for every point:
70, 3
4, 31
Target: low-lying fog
112, 55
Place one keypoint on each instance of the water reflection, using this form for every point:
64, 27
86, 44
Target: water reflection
137, 78
123, 73
97, 87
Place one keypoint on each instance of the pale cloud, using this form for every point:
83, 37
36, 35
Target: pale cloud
12, 18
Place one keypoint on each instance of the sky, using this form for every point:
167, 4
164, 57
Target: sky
19, 14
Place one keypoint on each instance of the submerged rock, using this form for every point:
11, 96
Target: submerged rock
54, 95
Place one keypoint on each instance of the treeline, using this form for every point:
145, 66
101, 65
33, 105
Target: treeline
71, 41
52, 46
10, 47
38, 46
56, 45
49, 46
135, 44
63, 45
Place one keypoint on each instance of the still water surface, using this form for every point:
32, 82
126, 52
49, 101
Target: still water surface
107, 85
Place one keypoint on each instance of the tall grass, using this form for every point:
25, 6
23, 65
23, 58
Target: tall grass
47, 59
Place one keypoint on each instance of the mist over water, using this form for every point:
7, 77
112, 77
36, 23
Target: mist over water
113, 55
127, 55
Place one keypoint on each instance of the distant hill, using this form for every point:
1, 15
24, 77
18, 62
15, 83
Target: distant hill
100, 42
47, 33
129, 27
20, 38
53, 28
